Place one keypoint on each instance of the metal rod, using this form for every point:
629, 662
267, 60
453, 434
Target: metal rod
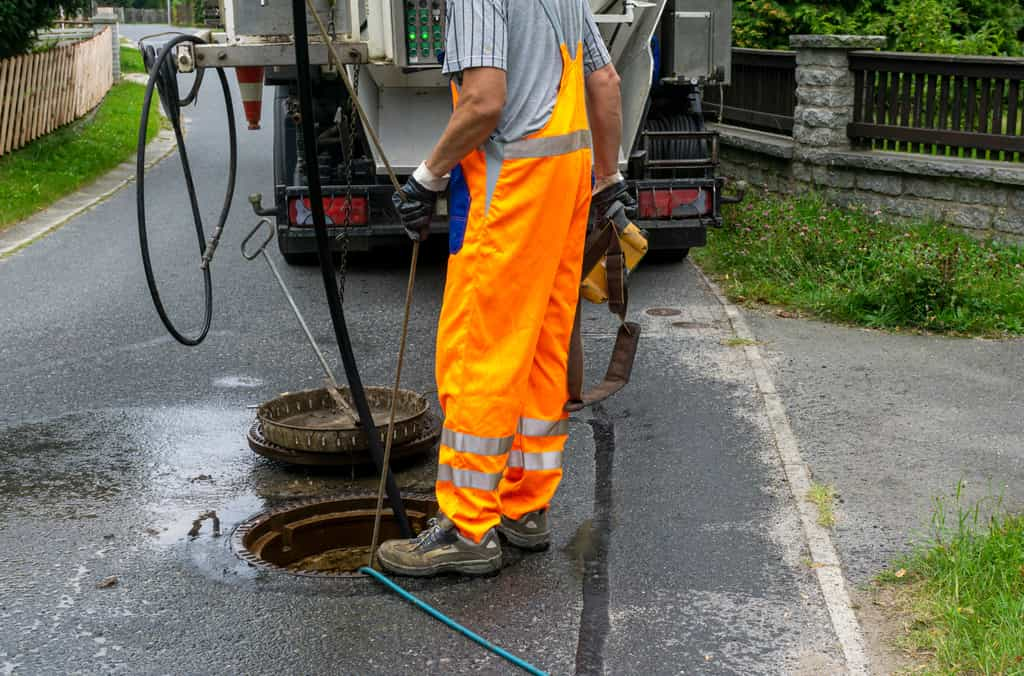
394, 399
332, 388
302, 321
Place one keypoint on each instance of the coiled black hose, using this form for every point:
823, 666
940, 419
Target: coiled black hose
163, 77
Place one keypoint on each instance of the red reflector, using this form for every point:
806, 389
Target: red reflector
299, 212
664, 203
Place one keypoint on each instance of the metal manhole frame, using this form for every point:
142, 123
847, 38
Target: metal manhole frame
238, 534
413, 409
423, 445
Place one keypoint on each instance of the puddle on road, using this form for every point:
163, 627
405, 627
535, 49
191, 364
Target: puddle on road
144, 476
141, 477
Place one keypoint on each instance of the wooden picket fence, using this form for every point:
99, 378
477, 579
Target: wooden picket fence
42, 91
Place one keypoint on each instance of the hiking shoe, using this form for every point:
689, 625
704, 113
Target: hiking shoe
440, 548
530, 531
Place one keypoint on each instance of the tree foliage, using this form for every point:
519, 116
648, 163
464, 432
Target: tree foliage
992, 27
20, 20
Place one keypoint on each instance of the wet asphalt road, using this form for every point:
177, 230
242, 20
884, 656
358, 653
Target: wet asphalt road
676, 547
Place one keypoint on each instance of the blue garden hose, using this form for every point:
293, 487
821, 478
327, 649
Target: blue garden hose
438, 615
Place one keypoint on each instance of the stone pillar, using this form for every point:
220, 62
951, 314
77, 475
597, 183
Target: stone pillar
104, 18
824, 90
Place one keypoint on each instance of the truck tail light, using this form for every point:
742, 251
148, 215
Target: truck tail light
335, 208
673, 202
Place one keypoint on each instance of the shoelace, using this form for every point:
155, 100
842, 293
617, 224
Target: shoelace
431, 533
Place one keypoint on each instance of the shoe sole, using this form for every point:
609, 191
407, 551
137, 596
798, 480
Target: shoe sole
476, 568
538, 542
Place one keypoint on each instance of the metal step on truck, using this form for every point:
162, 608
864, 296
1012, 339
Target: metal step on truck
666, 52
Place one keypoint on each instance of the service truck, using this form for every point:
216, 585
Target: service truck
667, 53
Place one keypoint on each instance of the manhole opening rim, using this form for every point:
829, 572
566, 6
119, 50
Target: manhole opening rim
239, 532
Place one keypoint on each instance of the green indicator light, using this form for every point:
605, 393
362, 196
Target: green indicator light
412, 36
426, 35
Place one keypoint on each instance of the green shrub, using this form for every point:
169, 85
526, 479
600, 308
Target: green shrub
992, 27
20, 20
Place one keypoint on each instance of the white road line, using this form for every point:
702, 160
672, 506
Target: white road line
827, 566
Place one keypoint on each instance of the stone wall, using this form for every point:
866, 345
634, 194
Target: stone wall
987, 198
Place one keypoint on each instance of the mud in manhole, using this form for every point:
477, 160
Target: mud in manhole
323, 538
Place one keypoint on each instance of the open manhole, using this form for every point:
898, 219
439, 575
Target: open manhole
324, 538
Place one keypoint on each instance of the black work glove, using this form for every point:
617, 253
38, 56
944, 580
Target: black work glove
416, 210
603, 201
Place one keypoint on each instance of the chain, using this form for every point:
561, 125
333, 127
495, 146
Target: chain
350, 142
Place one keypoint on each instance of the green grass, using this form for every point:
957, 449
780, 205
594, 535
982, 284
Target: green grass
824, 497
849, 266
963, 594
131, 61
63, 161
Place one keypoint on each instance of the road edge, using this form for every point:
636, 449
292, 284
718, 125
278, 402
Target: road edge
825, 561
53, 217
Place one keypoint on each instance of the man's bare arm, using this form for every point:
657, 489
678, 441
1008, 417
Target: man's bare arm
604, 108
481, 100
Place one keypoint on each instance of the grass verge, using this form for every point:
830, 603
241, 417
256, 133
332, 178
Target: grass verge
849, 266
63, 161
823, 496
131, 60
963, 594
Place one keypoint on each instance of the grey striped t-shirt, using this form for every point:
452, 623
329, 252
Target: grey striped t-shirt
518, 37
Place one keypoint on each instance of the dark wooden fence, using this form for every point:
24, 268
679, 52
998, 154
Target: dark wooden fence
959, 106
762, 94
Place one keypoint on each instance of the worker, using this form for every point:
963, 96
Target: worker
523, 164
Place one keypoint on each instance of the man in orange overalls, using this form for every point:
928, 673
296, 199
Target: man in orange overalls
518, 153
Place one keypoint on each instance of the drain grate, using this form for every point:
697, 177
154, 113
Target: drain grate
323, 538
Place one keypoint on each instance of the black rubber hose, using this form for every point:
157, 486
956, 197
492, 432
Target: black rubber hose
323, 248
163, 72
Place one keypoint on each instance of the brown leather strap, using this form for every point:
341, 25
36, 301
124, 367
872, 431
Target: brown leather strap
596, 247
604, 242
620, 366
615, 273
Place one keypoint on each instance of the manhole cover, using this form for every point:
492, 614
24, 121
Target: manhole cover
323, 538
663, 311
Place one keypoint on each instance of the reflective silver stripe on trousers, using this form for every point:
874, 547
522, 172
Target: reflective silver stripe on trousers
535, 427
548, 460
461, 442
547, 146
467, 478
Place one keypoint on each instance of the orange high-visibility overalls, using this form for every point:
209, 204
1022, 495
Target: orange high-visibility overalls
509, 305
